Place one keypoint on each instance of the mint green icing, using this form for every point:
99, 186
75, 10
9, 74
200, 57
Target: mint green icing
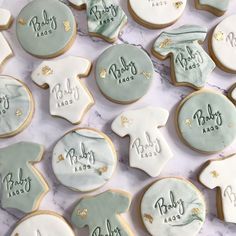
221, 5
100, 214
124, 73
84, 160
15, 105
173, 207
207, 121
21, 186
45, 28
192, 65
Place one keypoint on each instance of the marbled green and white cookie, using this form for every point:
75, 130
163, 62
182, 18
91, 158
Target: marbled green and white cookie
46, 28
124, 73
43, 223
232, 93
216, 7
190, 64
84, 159
16, 106
22, 186
206, 121
105, 18
173, 207
101, 213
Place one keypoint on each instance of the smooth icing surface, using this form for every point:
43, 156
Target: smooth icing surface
224, 43
43, 223
69, 98
45, 28
84, 160
222, 173
158, 12
221, 5
124, 73
191, 64
22, 187
5, 17
105, 17
173, 207
207, 121
148, 149
16, 105
101, 214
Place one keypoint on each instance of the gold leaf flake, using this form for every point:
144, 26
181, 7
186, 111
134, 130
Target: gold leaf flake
196, 211
178, 4
148, 218
124, 121
67, 26
214, 174
219, 36
46, 70
19, 112
147, 75
103, 73
188, 122
22, 21
102, 170
60, 158
82, 213
165, 43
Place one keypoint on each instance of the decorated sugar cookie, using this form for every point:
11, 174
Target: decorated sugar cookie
173, 207
206, 121
156, 13
105, 17
16, 106
43, 223
84, 159
223, 44
5, 22
216, 7
22, 186
101, 213
232, 94
190, 64
46, 28
220, 174
69, 98
124, 73
148, 149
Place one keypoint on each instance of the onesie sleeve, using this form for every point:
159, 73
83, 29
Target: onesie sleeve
5, 18
121, 201
159, 115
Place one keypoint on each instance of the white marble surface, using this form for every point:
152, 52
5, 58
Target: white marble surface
47, 130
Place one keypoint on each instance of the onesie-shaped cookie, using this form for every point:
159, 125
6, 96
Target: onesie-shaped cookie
221, 174
190, 64
105, 18
148, 149
22, 186
69, 98
101, 213
216, 7
232, 94
5, 22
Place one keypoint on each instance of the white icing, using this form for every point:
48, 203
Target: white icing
222, 173
69, 98
43, 224
224, 42
158, 12
148, 149
5, 17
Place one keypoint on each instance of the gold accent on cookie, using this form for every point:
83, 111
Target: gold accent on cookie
82, 213
148, 218
46, 70
178, 4
103, 73
19, 112
67, 25
102, 170
124, 121
147, 75
165, 43
60, 158
219, 36
214, 174
196, 211
188, 122
22, 21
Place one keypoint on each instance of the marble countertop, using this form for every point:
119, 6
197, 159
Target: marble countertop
47, 130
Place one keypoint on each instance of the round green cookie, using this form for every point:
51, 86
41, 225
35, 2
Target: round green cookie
124, 73
206, 121
46, 28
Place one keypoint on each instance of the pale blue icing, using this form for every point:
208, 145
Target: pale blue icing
88, 162
221, 5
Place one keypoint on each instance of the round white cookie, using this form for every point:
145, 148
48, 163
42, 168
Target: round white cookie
157, 13
173, 207
84, 159
43, 223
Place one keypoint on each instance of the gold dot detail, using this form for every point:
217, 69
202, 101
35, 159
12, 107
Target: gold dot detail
214, 174
178, 4
148, 218
82, 213
67, 26
219, 36
46, 70
103, 73
165, 43
19, 112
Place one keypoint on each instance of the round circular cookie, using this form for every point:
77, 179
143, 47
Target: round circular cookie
206, 121
156, 13
124, 73
46, 28
222, 44
16, 106
43, 223
84, 159
173, 207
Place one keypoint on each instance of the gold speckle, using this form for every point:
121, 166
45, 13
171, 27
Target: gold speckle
165, 43
67, 26
188, 122
22, 21
147, 75
214, 174
196, 211
103, 73
124, 121
178, 4
46, 70
102, 170
219, 36
82, 213
60, 158
19, 112
148, 218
